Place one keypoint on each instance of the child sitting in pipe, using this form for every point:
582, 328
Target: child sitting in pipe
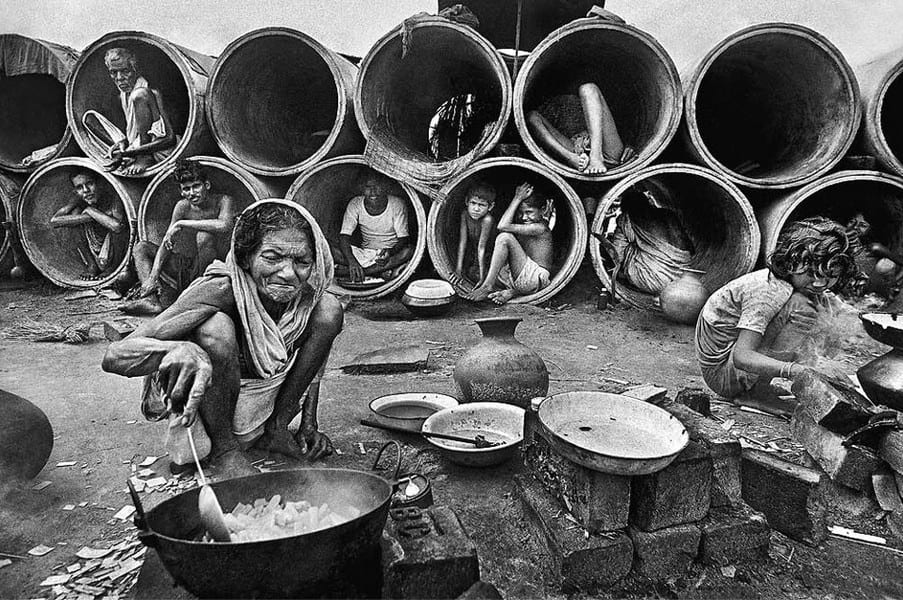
382, 221
475, 232
749, 330
591, 150
522, 253
877, 262
198, 234
148, 131
100, 217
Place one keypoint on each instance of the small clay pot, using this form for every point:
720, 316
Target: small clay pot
683, 299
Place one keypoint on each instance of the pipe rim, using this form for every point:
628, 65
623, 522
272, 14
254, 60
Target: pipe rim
792, 29
325, 54
645, 155
8, 202
486, 144
419, 215
176, 57
124, 196
669, 169
574, 258
876, 128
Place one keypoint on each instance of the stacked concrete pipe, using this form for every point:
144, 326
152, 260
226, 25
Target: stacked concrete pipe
505, 174
9, 201
881, 134
33, 77
178, 73
398, 92
717, 216
279, 102
636, 76
55, 251
772, 106
325, 191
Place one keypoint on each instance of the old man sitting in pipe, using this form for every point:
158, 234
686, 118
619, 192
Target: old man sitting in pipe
242, 344
148, 131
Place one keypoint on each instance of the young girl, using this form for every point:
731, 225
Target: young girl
747, 331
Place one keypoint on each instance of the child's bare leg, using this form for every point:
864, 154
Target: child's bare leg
554, 140
600, 123
507, 250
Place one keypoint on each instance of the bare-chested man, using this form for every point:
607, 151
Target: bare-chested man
148, 130
198, 234
101, 218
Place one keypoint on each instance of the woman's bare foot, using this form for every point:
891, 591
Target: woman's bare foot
229, 465
478, 294
502, 296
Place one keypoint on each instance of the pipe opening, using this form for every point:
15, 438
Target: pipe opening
32, 115
273, 102
891, 118
445, 78
775, 106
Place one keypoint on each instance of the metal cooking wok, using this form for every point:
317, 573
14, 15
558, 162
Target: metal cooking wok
340, 561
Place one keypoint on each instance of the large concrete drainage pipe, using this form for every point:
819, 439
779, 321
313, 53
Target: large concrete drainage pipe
715, 215
58, 252
278, 102
179, 74
325, 191
881, 134
772, 106
505, 174
9, 202
632, 70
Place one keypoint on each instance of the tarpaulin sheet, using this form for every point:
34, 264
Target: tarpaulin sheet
20, 55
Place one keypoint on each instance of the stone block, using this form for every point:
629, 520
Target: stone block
793, 498
665, 553
696, 399
680, 493
734, 534
426, 553
832, 404
580, 562
599, 501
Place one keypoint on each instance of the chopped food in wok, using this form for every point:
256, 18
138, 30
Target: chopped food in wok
268, 519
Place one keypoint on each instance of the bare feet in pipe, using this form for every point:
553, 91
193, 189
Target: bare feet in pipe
478, 294
502, 296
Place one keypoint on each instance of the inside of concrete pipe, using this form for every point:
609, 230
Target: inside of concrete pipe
632, 78
32, 115
274, 102
443, 71
774, 106
93, 89
892, 116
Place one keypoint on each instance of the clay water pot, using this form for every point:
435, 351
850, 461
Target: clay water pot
26, 438
499, 368
683, 299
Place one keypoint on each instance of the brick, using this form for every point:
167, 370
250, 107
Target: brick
735, 534
116, 329
680, 493
696, 399
793, 498
852, 466
665, 553
725, 451
890, 448
647, 393
427, 554
838, 407
599, 501
580, 562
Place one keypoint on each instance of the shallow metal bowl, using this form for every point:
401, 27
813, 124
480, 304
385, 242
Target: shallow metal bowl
495, 421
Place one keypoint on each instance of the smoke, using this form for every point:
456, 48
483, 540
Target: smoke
838, 332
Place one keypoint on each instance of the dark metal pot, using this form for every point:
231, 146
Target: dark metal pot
341, 561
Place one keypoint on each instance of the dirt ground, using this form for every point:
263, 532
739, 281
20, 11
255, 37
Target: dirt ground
97, 423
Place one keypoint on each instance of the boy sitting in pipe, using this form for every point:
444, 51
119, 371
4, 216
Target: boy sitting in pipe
879, 264
148, 131
475, 232
750, 329
382, 221
589, 151
198, 233
100, 217
522, 254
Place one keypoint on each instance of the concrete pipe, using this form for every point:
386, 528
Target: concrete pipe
772, 106
279, 102
162, 194
9, 201
881, 134
505, 174
325, 191
57, 252
634, 73
180, 76
716, 216
33, 102
840, 196
431, 110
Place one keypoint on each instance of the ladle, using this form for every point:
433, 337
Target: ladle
479, 441
208, 505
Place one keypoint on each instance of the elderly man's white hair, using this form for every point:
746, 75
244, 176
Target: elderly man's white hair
120, 53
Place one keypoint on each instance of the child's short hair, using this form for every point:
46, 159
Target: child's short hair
483, 190
816, 245
535, 200
189, 170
